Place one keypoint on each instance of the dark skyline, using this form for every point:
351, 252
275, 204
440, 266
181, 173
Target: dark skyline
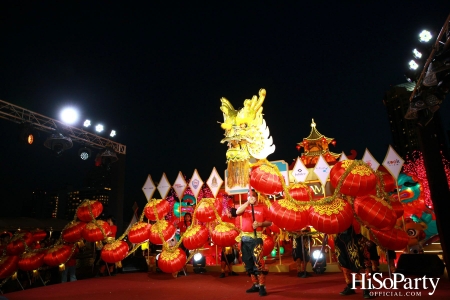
156, 73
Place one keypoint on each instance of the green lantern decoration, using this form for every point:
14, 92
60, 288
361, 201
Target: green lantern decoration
281, 250
274, 252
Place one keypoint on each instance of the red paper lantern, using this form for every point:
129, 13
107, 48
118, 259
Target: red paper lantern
224, 235
389, 181
162, 208
393, 239
359, 181
397, 206
38, 235
287, 215
167, 230
265, 180
375, 212
172, 261
206, 208
274, 228
331, 218
195, 237
8, 265
57, 255
87, 207
300, 192
92, 232
268, 244
139, 232
16, 245
114, 252
30, 261
72, 233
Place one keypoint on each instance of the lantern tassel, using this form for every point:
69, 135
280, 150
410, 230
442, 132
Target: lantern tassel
62, 267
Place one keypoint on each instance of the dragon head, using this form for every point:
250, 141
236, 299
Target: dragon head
247, 137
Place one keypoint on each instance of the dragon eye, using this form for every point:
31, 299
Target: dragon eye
411, 232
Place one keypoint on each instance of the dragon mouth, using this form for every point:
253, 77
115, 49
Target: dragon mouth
237, 150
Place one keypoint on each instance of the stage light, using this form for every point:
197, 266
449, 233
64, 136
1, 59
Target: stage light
27, 133
69, 115
99, 128
413, 65
417, 54
108, 157
425, 36
57, 142
84, 153
87, 123
113, 133
318, 259
199, 263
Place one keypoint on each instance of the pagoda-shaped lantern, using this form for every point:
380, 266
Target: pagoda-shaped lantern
314, 145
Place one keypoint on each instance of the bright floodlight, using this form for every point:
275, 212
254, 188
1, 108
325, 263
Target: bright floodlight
425, 36
113, 133
417, 54
197, 256
99, 128
87, 123
413, 65
317, 254
69, 115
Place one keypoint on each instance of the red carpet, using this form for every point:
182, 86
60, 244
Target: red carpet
131, 286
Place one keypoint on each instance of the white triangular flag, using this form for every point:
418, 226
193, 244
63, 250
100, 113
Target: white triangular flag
149, 188
214, 182
163, 186
393, 162
180, 185
195, 183
343, 156
300, 171
322, 170
368, 159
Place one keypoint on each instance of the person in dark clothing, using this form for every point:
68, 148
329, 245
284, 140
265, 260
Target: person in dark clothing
301, 246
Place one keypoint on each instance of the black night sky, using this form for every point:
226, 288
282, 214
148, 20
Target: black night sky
155, 73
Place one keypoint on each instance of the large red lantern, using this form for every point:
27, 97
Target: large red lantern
139, 232
38, 235
170, 261
265, 180
57, 255
162, 208
167, 230
360, 181
8, 265
30, 261
268, 244
224, 235
331, 218
114, 252
397, 206
195, 237
300, 192
288, 215
72, 233
89, 210
206, 208
389, 181
375, 212
16, 245
393, 239
96, 231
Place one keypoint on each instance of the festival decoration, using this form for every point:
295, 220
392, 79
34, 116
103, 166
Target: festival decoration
358, 178
162, 208
388, 180
333, 217
265, 180
57, 255
300, 192
224, 235
205, 211
96, 230
30, 261
165, 228
195, 236
268, 244
18, 242
8, 265
89, 210
139, 232
186, 206
172, 260
149, 188
72, 233
287, 215
375, 212
114, 252
393, 239
38, 235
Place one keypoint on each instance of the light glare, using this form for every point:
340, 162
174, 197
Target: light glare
413, 65
99, 128
417, 54
69, 115
113, 133
425, 36
197, 256
87, 123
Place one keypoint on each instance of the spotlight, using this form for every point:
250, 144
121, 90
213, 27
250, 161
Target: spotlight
108, 157
318, 259
99, 128
425, 36
27, 133
69, 115
84, 153
199, 263
87, 123
113, 133
57, 142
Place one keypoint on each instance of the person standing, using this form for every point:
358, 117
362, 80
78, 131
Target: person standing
255, 217
300, 252
70, 266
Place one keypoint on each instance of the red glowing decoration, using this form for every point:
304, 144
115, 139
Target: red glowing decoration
162, 208
223, 235
73, 232
38, 235
57, 255
298, 147
114, 252
265, 180
96, 231
288, 216
300, 192
167, 230
172, 261
139, 232
89, 210
393, 239
358, 182
8, 265
375, 212
30, 261
331, 218
16, 245
195, 237
205, 210
333, 142
268, 244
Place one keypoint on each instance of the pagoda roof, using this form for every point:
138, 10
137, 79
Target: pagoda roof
315, 134
318, 153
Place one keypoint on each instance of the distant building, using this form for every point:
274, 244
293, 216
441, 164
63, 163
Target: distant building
75, 197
